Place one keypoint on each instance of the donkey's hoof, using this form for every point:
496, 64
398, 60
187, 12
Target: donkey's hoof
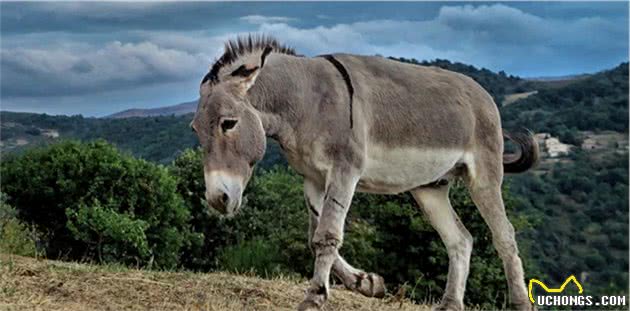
449, 304
371, 285
315, 298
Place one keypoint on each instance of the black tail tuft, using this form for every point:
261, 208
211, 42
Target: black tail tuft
528, 155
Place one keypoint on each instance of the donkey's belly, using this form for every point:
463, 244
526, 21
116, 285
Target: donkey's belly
391, 171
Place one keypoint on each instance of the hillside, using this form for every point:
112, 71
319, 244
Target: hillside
596, 103
27, 283
498, 84
180, 109
580, 200
158, 139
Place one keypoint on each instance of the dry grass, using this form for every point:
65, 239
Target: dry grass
27, 283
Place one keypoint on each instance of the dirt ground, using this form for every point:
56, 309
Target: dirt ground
31, 284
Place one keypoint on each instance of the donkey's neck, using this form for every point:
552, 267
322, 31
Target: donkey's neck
276, 95
264, 100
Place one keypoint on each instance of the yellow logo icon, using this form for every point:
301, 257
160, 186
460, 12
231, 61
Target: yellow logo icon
553, 290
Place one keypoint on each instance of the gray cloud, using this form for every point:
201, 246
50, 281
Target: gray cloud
495, 36
471, 34
260, 19
40, 72
99, 17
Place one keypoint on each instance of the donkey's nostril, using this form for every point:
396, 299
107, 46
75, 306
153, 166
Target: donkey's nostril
224, 198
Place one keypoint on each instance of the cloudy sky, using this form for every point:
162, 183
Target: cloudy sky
98, 58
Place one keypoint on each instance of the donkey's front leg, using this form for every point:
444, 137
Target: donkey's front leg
367, 284
328, 235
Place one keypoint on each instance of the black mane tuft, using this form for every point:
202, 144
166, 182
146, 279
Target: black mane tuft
244, 45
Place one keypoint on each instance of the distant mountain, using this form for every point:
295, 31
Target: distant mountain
177, 110
498, 84
559, 78
155, 138
557, 81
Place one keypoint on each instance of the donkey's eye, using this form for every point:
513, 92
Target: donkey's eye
228, 124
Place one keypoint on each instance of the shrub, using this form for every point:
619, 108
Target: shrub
275, 211
77, 192
211, 234
257, 256
111, 234
15, 237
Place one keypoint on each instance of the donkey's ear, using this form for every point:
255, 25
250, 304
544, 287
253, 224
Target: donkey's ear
244, 71
247, 74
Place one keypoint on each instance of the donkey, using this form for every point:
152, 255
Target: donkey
361, 123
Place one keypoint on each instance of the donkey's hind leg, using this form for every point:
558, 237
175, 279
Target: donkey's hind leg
434, 202
484, 183
367, 284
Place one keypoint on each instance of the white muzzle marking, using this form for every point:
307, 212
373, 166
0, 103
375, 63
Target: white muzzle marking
223, 191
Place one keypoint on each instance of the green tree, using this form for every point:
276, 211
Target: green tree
111, 234
75, 192
15, 236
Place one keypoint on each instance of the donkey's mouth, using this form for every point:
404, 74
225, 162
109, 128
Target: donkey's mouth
228, 209
233, 209
212, 207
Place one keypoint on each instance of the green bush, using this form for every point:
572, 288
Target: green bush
256, 256
211, 234
113, 235
76, 193
15, 237
276, 212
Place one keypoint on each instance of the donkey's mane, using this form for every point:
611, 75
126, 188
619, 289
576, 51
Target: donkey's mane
242, 45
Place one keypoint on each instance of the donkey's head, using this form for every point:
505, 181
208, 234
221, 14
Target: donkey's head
228, 127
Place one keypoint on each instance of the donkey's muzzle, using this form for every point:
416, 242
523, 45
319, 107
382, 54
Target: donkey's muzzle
224, 202
223, 192
219, 201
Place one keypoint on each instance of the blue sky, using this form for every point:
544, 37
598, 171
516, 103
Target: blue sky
98, 58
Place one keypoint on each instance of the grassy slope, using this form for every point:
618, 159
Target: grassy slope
27, 283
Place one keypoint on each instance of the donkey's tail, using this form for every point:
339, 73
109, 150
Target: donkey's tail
527, 156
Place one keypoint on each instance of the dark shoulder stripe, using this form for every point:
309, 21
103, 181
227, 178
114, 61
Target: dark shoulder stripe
346, 78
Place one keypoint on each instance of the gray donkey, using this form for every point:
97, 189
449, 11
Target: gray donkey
360, 123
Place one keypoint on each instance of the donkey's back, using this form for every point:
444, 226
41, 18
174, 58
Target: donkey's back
421, 122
